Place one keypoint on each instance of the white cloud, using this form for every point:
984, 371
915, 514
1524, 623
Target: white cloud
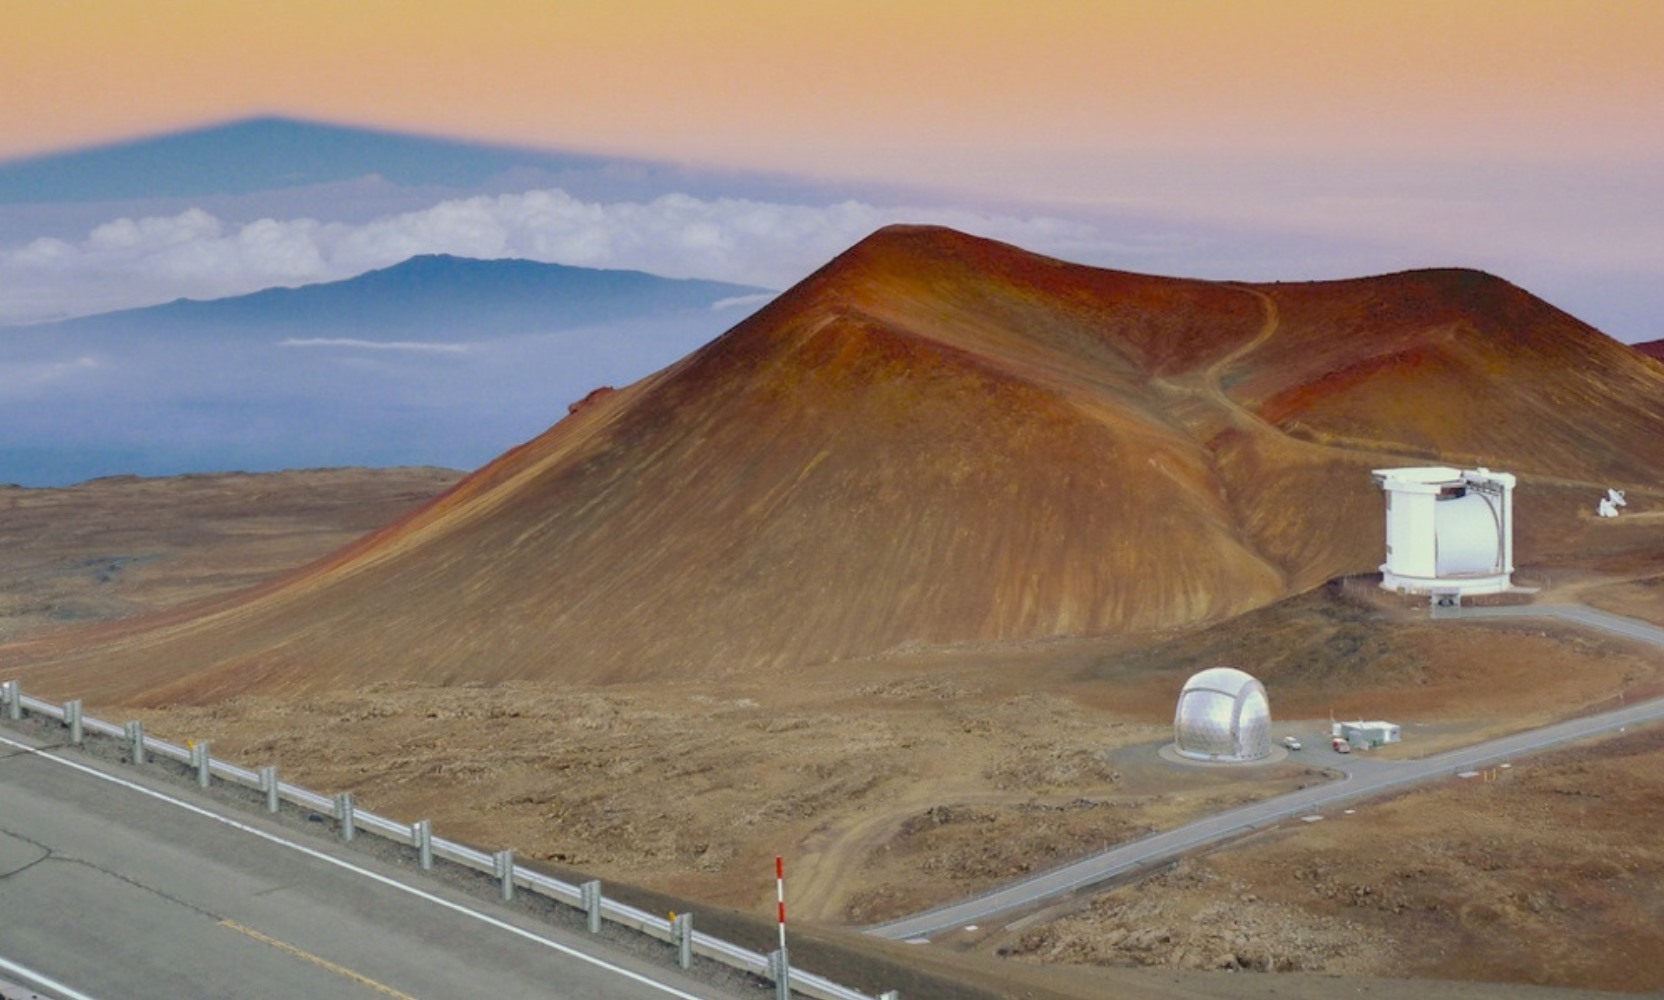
130, 262
1260, 230
23, 377
741, 301
419, 346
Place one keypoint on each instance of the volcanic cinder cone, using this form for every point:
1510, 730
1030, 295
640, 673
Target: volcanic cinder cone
936, 440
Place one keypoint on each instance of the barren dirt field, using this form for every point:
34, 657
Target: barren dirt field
124, 545
1550, 874
895, 782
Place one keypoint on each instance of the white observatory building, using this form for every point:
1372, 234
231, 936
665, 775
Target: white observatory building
1223, 715
1449, 532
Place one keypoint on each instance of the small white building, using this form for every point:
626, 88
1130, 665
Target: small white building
1449, 531
1367, 735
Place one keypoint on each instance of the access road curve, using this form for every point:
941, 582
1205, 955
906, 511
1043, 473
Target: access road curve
1365, 778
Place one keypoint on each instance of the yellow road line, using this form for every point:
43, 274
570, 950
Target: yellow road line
322, 963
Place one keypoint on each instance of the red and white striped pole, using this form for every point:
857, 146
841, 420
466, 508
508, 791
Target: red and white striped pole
783, 972
780, 895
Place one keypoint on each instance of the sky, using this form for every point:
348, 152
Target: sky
928, 90
1519, 136
750, 141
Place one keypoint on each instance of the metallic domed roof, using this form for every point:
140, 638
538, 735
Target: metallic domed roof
1223, 714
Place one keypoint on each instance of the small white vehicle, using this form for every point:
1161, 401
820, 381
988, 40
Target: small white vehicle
1291, 743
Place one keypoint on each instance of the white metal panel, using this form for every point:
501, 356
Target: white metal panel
1468, 532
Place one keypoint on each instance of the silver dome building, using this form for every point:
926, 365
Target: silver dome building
1223, 715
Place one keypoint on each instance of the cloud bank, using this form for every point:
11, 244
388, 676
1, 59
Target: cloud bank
1594, 254
131, 262
416, 346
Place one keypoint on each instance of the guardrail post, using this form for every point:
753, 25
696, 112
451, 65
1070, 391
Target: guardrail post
199, 754
681, 931
502, 863
343, 812
12, 693
421, 838
780, 968
72, 717
135, 741
592, 904
268, 784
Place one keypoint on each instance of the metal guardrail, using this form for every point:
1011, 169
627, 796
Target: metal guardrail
500, 866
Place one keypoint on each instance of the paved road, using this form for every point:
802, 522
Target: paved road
1577, 614
111, 888
1366, 778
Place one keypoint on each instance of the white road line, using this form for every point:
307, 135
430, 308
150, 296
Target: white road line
355, 869
44, 982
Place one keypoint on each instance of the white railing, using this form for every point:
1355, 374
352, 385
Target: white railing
351, 820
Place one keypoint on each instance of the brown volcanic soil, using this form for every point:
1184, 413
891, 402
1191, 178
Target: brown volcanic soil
122, 546
1549, 874
904, 781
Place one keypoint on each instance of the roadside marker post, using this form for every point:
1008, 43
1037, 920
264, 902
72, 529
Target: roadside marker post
503, 863
344, 809
199, 753
135, 741
681, 928
783, 970
268, 784
590, 893
421, 837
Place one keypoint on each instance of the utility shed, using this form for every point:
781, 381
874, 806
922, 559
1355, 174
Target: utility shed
1367, 735
1449, 531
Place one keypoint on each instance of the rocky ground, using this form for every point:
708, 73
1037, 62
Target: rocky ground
1548, 873
895, 782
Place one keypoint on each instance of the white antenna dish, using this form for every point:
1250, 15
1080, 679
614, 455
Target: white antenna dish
1617, 498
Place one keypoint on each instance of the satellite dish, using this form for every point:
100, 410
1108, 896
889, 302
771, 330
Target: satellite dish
1617, 498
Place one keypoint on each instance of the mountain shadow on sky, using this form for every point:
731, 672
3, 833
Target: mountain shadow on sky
272, 153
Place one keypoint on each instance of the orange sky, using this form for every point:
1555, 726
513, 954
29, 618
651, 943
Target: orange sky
947, 92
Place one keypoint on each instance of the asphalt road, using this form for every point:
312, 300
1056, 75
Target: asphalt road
1577, 614
112, 888
1366, 777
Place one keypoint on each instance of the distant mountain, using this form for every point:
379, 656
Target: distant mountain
1652, 349
426, 296
435, 361
938, 441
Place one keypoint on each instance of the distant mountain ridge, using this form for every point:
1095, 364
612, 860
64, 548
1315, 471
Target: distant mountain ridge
438, 360
428, 295
1652, 349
